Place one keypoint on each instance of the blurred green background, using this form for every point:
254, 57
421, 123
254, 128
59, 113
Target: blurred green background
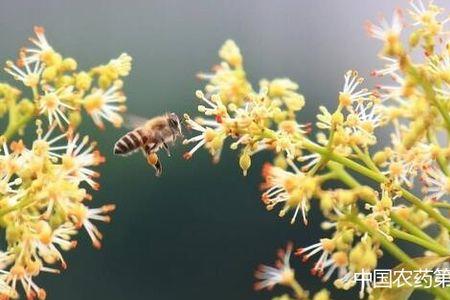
199, 231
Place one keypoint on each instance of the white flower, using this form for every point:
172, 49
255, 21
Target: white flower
30, 75
294, 190
83, 216
43, 47
435, 183
338, 261
325, 246
385, 31
78, 159
45, 144
211, 135
404, 164
106, 105
282, 273
349, 93
426, 14
47, 239
52, 104
390, 68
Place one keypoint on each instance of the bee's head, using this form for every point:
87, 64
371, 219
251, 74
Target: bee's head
174, 122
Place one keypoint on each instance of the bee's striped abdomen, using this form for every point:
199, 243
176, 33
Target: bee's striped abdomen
130, 142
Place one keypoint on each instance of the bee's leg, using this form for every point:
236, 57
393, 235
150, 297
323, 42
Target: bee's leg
164, 145
152, 158
158, 168
160, 141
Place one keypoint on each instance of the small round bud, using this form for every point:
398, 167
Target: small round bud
26, 107
83, 81
49, 73
75, 119
245, 162
295, 102
104, 82
199, 94
380, 157
65, 80
69, 64
322, 295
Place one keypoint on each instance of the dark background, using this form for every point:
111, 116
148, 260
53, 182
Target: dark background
200, 230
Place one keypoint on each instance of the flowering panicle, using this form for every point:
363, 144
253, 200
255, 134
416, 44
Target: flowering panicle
366, 221
235, 110
44, 205
45, 186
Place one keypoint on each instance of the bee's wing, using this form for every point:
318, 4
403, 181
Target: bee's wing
133, 121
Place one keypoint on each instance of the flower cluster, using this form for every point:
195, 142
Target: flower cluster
60, 91
43, 205
45, 184
365, 221
233, 109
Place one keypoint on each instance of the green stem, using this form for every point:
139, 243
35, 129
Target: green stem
14, 126
15, 121
378, 177
352, 182
441, 205
413, 229
300, 293
436, 248
347, 179
22, 204
442, 161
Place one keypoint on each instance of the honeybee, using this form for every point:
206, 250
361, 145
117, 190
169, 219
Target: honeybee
149, 136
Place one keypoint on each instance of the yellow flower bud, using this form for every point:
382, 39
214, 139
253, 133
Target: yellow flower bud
216, 143
380, 157
337, 118
51, 58
279, 115
65, 80
83, 81
49, 73
322, 295
231, 53
75, 118
345, 197
104, 81
294, 101
245, 162
326, 203
280, 161
344, 240
69, 64
362, 256
366, 193
26, 107
414, 38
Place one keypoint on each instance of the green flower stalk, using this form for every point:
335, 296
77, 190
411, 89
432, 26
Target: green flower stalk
45, 185
365, 221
